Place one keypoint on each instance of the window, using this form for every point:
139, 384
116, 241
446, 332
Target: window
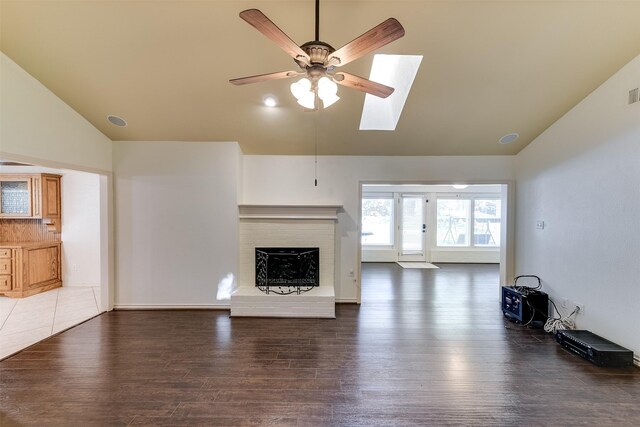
377, 221
455, 216
453, 222
486, 222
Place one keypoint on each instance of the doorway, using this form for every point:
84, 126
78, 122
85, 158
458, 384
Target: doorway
423, 225
412, 228
83, 263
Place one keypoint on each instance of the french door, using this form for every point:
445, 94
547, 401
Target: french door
412, 228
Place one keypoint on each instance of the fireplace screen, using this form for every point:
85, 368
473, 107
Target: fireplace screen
287, 270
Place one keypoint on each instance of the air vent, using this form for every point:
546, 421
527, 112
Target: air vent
633, 96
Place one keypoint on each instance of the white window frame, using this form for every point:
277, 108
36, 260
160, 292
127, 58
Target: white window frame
393, 226
473, 223
472, 198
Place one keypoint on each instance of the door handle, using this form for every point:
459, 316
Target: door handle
424, 228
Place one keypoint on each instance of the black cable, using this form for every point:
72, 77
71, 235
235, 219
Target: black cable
526, 289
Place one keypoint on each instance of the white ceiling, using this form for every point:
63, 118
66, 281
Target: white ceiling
489, 68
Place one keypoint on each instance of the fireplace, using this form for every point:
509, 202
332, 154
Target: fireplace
286, 261
287, 269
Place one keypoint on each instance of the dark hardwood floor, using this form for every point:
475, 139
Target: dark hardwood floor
426, 347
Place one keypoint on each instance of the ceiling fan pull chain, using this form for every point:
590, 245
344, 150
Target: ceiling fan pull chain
315, 122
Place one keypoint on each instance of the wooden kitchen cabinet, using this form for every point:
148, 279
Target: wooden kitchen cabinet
32, 196
28, 268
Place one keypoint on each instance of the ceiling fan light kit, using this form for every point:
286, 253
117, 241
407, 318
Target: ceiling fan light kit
318, 60
303, 93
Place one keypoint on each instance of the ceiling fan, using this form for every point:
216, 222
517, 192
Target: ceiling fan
318, 60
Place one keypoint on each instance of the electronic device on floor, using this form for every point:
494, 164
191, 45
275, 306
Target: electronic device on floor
526, 305
595, 349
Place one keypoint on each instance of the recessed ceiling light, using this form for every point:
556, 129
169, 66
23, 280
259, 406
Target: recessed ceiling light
118, 121
459, 186
508, 138
270, 101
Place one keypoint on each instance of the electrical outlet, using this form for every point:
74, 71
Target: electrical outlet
74, 267
540, 225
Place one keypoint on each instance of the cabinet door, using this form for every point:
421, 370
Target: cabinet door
42, 265
50, 196
15, 197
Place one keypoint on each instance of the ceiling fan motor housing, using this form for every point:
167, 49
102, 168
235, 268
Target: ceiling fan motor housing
318, 52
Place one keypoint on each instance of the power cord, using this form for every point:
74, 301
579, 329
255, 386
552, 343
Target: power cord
555, 324
527, 289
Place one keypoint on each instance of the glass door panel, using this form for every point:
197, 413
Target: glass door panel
412, 228
15, 198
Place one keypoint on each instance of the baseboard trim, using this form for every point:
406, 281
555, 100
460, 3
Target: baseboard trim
171, 307
195, 306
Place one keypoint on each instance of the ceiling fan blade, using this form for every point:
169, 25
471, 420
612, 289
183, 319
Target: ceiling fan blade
264, 77
380, 35
364, 85
263, 24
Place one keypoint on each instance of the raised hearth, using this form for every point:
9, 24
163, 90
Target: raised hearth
284, 228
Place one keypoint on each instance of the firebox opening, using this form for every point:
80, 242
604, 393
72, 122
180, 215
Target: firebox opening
287, 267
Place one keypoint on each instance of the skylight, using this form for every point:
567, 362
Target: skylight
397, 71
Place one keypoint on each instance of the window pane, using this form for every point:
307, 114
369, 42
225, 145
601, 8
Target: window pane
412, 225
486, 227
453, 222
377, 221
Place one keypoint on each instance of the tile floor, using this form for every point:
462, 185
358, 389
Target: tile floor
25, 321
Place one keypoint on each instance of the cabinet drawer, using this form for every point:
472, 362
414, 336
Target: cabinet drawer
5, 283
5, 253
5, 266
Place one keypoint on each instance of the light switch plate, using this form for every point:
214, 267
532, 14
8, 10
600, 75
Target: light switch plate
540, 225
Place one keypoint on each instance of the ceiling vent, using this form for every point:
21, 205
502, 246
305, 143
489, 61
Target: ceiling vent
633, 96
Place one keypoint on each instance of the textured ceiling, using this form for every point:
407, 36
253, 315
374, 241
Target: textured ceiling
489, 68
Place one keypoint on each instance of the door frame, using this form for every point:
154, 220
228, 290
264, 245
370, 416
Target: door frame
107, 252
507, 248
400, 227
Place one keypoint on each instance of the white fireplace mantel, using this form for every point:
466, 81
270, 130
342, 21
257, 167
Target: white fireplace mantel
288, 211
286, 226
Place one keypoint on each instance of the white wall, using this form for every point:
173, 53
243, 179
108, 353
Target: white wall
289, 180
582, 178
176, 222
81, 228
81, 243
37, 125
